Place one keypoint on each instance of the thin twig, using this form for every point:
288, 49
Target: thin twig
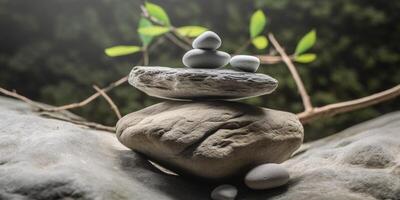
302, 90
145, 54
347, 106
93, 125
42, 108
268, 59
90, 98
109, 100
175, 37
178, 43
22, 98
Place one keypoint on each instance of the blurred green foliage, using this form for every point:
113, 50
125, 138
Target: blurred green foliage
53, 50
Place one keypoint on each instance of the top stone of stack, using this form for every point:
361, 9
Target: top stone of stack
207, 41
205, 54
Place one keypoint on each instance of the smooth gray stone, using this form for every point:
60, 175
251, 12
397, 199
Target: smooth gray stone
267, 176
245, 63
188, 83
207, 40
224, 192
208, 59
211, 139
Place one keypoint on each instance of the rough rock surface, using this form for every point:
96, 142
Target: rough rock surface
43, 158
213, 140
360, 163
187, 83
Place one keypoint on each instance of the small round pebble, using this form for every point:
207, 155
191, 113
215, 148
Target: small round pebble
267, 176
224, 192
207, 40
245, 63
198, 58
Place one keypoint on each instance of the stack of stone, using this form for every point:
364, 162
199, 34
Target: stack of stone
199, 133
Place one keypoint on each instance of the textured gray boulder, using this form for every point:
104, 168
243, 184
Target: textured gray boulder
43, 158
213, 140
206, 59
267, 176
187, 83
245, 63
360, 163
207, 40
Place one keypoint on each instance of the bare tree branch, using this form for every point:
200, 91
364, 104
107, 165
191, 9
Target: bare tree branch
109, 100
90, 98
22, 98
175, 37
93, 125
302, 90
43, 108
347, 106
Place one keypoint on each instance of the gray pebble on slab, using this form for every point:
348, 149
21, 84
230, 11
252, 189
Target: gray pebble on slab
224, 192
245, 63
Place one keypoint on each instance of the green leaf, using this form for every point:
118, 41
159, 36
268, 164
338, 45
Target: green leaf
191, 31
305, 58
146, 40
157, 12
153, 30
306, 42
257, 23
260, 42
121, 50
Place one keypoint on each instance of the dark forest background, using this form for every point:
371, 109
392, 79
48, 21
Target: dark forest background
53, 50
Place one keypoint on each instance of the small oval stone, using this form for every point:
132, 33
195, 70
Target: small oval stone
245, 63
198, 58
267, 176
224, 192
207, 40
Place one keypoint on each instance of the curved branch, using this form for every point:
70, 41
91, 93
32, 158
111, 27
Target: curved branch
300, 85
347, 106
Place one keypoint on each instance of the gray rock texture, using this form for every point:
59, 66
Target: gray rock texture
245, 63
187, 83
206, 59
42, 158
362, 162
214, 140
267, 176
207, 40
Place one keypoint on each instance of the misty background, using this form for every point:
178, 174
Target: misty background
52, 51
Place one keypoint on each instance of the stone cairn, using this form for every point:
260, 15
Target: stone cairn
198, 132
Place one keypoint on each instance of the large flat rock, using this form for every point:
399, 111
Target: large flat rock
43, 158
189, 83
211, 140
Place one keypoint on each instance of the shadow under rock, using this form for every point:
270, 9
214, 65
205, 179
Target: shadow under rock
138, 168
